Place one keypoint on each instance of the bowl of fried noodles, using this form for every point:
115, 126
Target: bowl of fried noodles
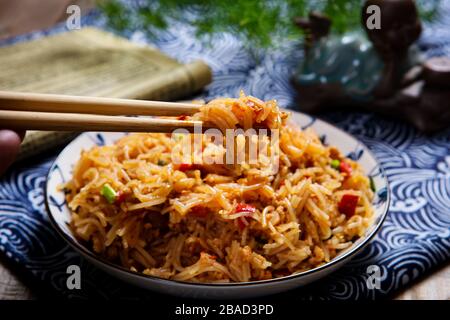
226, 214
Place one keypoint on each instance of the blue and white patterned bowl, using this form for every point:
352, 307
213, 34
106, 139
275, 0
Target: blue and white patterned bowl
59, 214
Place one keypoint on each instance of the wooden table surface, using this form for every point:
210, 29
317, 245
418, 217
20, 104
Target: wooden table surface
17, 17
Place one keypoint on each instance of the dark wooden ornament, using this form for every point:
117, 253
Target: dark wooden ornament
380, 71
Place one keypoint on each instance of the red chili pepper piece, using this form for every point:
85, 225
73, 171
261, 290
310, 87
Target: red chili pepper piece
199, 211
120, 197
185, 167
242, 223
182, 117
344, 167
348, 204
243, 207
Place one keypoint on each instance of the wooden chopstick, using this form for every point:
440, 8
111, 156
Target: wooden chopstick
27, 120
21, 101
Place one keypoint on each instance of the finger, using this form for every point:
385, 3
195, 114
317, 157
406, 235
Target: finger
9, 147
21, 134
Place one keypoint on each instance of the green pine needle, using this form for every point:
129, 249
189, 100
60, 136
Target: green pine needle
259, 22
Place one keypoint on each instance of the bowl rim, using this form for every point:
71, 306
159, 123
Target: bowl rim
340, 258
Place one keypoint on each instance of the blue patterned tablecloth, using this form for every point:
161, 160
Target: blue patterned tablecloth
414, 238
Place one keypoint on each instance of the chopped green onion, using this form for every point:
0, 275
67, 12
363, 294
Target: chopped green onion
161, 162
109, 193
372, 184
335, 164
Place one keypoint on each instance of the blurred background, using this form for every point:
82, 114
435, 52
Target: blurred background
250, 62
